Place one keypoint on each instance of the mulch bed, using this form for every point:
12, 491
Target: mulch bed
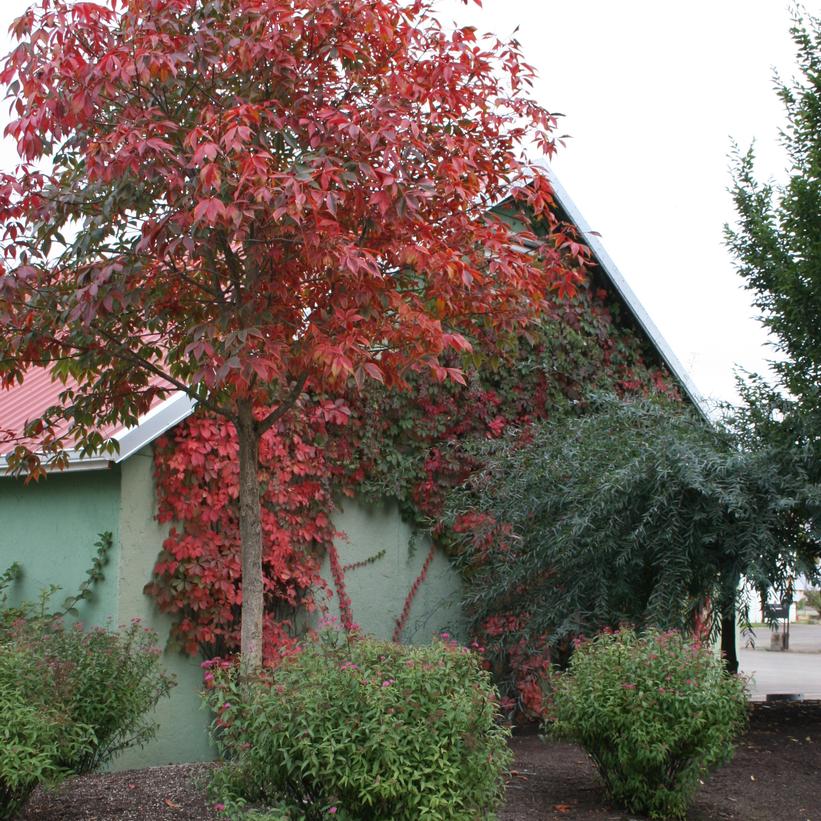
775, 776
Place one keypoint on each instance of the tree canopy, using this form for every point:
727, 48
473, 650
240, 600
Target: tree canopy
243, 198
632, 511
776, 245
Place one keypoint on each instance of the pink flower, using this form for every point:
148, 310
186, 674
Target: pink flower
628, 686
331, 810
219, 807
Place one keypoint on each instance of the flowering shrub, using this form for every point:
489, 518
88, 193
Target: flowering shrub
70, 699
654, 712
104, 679
361, 728
34, 734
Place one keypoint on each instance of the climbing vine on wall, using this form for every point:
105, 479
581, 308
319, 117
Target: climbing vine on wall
197, 576
407, 446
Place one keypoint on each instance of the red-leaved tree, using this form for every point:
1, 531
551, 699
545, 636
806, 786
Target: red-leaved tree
241, 198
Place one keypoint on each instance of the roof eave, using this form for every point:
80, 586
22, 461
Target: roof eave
76, 463
151, 425
155, 423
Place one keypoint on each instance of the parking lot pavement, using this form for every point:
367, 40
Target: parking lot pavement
797, 670
804, 638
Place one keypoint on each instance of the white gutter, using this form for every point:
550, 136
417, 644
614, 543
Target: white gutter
76, 464
154, 424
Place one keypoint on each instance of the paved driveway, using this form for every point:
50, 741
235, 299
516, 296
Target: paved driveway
797, 670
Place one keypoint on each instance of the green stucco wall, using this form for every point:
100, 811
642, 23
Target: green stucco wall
50, 527
379, 589
183, 725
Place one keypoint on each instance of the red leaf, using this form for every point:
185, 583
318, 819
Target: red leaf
209, 210
374, 371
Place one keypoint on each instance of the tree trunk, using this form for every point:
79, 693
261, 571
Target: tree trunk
250, 529
728, 642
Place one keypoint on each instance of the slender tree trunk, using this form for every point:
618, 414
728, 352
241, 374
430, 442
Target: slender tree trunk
729, 650
250, 529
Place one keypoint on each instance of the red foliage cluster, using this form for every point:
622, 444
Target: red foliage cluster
338, 574
197, 577
281, 190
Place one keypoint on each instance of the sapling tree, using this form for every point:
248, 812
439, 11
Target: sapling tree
245, 199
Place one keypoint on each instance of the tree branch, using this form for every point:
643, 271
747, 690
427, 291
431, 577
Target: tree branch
129, 356
275, 415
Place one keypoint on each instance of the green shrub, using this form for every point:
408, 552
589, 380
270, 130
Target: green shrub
34, 735
70, 699
653, 711
362, 729
105, 679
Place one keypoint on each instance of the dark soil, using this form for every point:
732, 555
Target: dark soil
173, 793
775, 776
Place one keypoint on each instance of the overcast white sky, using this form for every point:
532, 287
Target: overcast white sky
652, 93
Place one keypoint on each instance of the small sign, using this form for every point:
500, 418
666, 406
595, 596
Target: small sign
777, 611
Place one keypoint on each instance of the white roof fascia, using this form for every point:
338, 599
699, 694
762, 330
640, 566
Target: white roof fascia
76, 463
151, 425
626, 292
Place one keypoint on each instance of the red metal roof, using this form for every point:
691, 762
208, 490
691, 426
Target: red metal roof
22, 403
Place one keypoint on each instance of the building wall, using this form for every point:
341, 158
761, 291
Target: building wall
50, 527
378, 590
183, 724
